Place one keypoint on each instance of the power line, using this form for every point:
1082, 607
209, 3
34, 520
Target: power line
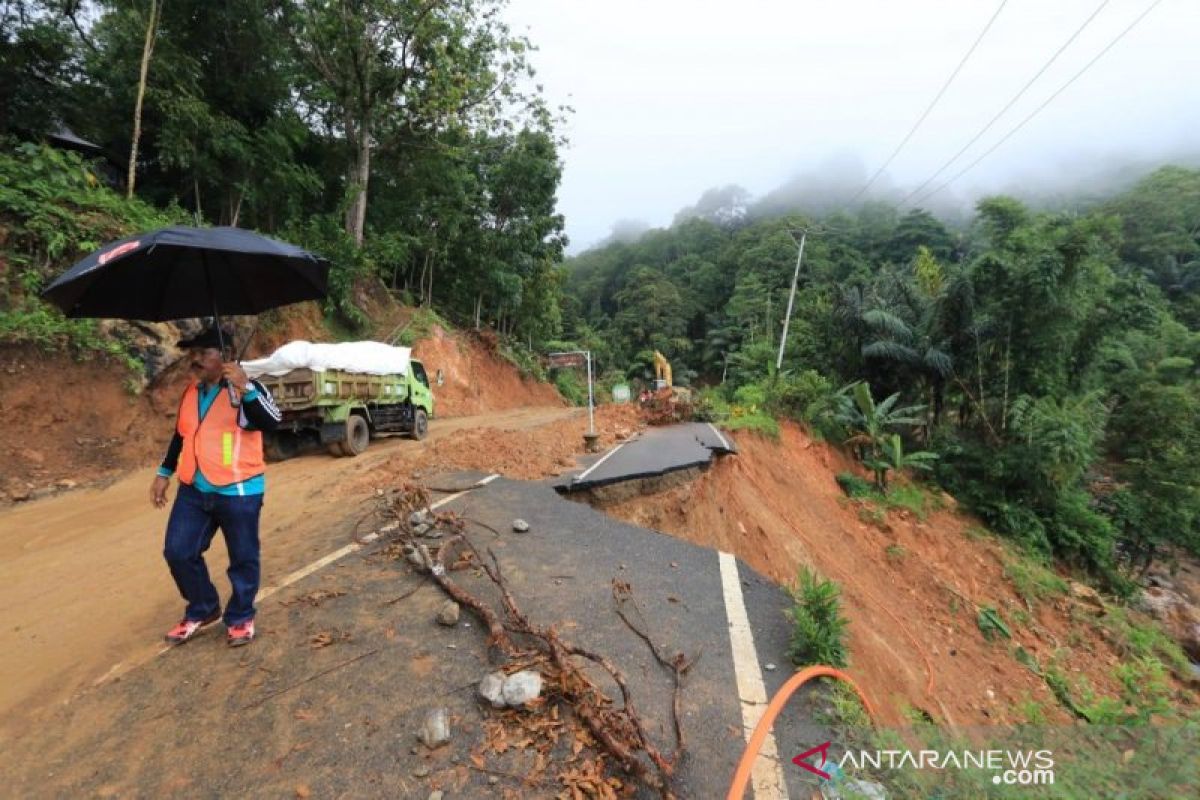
1047, 102
930, 107
1007, 106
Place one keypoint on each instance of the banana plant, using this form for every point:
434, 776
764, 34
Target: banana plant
869, 422
892, 457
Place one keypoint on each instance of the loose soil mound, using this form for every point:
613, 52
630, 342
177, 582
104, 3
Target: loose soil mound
477, 380
528, 454
911, 588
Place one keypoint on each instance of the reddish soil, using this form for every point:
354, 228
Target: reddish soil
71, 423
527, 454
913, 638
68, 422
476, 379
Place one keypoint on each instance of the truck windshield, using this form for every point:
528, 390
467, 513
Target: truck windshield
418, 371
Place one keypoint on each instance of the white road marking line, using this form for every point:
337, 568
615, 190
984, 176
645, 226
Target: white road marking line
604, 458
724, 443
291, 578
767, 775
325, 561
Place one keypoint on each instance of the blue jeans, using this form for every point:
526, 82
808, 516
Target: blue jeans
195, 517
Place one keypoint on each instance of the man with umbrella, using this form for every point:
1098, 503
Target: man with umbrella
217, 453
181, 272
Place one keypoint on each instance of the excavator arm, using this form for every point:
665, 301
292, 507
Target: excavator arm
662, 370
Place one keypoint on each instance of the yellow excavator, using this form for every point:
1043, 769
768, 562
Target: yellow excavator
662, 372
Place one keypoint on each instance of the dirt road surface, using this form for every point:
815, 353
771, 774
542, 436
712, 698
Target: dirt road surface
84, 591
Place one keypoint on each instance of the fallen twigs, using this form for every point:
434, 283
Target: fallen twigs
678, 664
616, 733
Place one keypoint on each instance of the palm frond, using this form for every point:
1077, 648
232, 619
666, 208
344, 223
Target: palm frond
889, 350
888, 323
938, 362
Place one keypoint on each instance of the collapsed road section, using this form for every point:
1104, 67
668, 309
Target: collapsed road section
654, 453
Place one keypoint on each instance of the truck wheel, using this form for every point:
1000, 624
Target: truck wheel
420, 424
279, 446
358, 435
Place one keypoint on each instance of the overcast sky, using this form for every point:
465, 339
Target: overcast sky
672, 97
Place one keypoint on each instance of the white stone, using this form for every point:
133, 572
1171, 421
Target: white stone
522, 687
491, 688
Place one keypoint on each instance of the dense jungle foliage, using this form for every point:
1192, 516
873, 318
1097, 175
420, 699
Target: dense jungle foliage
288, 117
1048, 360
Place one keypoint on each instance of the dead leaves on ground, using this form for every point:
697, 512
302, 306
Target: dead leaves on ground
553, 738
326, 638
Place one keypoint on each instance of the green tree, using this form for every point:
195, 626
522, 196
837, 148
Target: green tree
380, 71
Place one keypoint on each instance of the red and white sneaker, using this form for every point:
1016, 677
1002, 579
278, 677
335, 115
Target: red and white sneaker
187, 628
240, 634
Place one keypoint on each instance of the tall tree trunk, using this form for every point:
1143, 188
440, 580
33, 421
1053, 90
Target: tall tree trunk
356, 214
429, 296
421, 282
147, 51
478, 308
1007, 371
198, 213
237, 210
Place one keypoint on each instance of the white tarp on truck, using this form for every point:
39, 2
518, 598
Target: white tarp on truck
368, 358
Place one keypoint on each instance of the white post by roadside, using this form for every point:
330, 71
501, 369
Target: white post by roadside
787, 318
591, 397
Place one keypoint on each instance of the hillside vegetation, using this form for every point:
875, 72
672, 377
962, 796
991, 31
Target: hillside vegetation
1045, 363
407, 143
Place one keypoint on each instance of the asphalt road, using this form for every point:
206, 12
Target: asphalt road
349, 661
656, 451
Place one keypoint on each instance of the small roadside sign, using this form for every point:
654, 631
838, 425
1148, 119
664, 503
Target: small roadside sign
560, 360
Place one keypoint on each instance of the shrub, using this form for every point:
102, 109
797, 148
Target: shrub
818, 627
751, 395
854, 485
571, 386
711, 406
798, 396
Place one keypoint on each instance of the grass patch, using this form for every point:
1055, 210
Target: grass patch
1142, 641
1033, 581
895, 553
977, 533
755, 421
873, 515
419, 326
818, 627
900, 496
36, 323
571, 386
909, 497
854, 485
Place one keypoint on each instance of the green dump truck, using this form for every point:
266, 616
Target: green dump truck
345, 410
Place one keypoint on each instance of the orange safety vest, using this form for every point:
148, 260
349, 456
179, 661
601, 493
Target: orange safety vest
224, 452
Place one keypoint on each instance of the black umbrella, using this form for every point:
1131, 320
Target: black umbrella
181, 272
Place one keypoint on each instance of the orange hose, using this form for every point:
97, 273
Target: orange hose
737, 789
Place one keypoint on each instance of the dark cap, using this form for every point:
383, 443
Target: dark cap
207, 338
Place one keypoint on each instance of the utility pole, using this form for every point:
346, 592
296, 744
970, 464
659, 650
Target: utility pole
787, 319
